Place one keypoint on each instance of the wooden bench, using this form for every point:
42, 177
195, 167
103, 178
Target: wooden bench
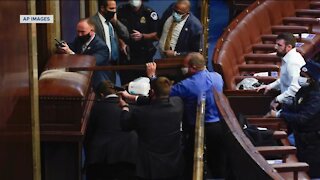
277, 124
248, 161
250, 38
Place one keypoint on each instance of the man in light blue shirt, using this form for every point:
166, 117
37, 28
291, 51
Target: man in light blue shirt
200, 81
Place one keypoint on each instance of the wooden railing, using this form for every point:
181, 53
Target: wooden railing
246, 160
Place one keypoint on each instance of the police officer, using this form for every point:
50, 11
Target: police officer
141, 22
304, 117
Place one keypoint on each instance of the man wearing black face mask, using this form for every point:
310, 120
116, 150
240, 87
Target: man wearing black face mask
88, 43
304, 117
110, 30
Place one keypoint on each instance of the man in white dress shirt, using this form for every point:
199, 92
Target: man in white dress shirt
291, 63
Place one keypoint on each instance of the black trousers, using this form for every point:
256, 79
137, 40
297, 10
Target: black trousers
308, 150
215, 156
118, 171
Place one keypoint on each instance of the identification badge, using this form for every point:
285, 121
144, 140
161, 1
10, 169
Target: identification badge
300, 100
154, 15
143, 20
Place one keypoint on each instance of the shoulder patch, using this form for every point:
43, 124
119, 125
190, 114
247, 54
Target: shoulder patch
154, 15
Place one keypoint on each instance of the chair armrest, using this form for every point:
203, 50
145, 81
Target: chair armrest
300, 20
269, 37
262, 57
291, 167
273, 37
264, 47
260, 121
308, 12
291, 29
314, 4
280, 134
276, 150
258, 67
294, 167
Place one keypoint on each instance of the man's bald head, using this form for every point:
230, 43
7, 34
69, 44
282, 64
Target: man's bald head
84, 27
196, 61
182, 6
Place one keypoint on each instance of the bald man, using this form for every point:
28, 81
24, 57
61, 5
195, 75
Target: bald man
88, 43
200, 81
180, 32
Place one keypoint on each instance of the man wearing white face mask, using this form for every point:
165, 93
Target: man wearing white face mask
304, 117
141, 22
180, 31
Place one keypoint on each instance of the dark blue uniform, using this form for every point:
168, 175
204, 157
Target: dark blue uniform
145, 21
304, 117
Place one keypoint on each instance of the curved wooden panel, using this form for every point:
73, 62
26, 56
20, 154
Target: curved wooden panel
246, 162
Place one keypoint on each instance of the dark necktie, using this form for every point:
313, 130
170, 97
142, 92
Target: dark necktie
113, 43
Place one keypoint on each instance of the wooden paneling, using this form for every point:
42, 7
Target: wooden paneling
15, 138
54, 29
91, 8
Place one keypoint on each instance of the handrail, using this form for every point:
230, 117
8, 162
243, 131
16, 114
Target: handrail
199, 140
167, 63
122, 67
262, 170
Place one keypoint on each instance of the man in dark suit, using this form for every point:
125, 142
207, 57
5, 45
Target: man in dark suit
110, 30
180, 31
110, 152
88, 43
158, 128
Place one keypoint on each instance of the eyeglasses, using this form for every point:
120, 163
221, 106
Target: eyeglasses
179, 12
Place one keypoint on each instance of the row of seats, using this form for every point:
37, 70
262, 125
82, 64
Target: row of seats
248, 43
250, 161
247, 46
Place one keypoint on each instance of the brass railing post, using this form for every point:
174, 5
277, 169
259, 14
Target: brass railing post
34, 93
205, 24
199, 140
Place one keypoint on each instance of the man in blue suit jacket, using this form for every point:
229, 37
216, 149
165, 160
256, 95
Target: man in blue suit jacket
180, 31
88, 43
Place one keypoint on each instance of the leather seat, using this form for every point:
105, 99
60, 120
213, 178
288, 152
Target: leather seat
254, 33
63, 95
